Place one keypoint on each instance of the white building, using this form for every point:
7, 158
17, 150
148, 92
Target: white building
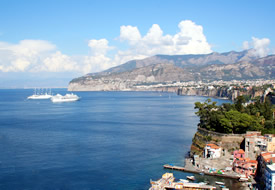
212, 151
270, 177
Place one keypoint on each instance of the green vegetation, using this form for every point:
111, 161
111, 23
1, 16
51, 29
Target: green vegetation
236, 118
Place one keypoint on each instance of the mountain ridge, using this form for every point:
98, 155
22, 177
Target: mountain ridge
188, 60
163, 69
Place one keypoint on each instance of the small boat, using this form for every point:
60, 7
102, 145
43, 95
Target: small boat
220, 183
190, 178
67, 98
242, 179
202, 183
184, 181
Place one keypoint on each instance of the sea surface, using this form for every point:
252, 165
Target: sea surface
107, 140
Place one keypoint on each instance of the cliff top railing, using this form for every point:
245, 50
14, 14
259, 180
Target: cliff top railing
219, 134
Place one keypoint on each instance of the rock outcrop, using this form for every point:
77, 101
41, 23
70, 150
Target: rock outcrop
228, 142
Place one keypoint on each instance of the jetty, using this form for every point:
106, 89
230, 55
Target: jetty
167, 182
179, 168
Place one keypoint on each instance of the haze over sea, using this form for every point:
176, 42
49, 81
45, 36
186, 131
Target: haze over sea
107, 140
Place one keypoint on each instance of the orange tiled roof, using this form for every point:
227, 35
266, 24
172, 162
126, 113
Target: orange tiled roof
241, 151
213, 146
270, 159
252, 134
268, 153
268, 156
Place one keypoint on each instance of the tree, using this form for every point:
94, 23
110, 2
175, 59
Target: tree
204, 112
239, 103
235, 118
267, 110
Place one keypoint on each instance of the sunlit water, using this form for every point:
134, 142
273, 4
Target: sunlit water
107, 140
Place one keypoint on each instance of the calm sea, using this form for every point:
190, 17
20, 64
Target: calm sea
107, 140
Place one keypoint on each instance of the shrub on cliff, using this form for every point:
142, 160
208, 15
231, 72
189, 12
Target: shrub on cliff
236, 118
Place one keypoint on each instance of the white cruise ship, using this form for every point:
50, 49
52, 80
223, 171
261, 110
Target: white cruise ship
40, 95
67, 98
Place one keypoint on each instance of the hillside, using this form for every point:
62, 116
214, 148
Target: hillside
183, 61
163, 69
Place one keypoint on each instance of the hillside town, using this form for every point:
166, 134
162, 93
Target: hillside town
220, 89
254, 160
247, 157
253, 164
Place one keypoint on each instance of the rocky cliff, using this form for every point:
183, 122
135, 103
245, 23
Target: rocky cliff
219, 92
228, 142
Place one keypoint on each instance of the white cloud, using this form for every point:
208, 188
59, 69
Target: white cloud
246, 45
130, 34
59, 62
23, 56
259, 46
98, 60
40, 55
96, 63
99, 47
189, 40
34, 56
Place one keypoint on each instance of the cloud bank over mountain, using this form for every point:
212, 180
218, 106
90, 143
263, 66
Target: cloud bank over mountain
36, 56
259, 46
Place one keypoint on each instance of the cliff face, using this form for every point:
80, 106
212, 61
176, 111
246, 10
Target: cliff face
228, 142
219, 92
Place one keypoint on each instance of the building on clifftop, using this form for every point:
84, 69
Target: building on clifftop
212, 151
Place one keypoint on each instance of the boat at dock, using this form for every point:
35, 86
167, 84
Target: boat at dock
184, 180
67, 98
243, 179
202, 183
180, 168
220, 183
191, 177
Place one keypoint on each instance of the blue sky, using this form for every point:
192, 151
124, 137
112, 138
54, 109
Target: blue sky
64, 39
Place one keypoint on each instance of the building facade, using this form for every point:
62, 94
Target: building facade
270, 177
270, 139
255, 143
239, 154
212, 151
245, 166
265, 160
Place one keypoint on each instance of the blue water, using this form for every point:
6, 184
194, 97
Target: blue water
107, 140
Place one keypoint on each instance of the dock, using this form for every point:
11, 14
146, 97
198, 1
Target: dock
179, 168
167, 182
